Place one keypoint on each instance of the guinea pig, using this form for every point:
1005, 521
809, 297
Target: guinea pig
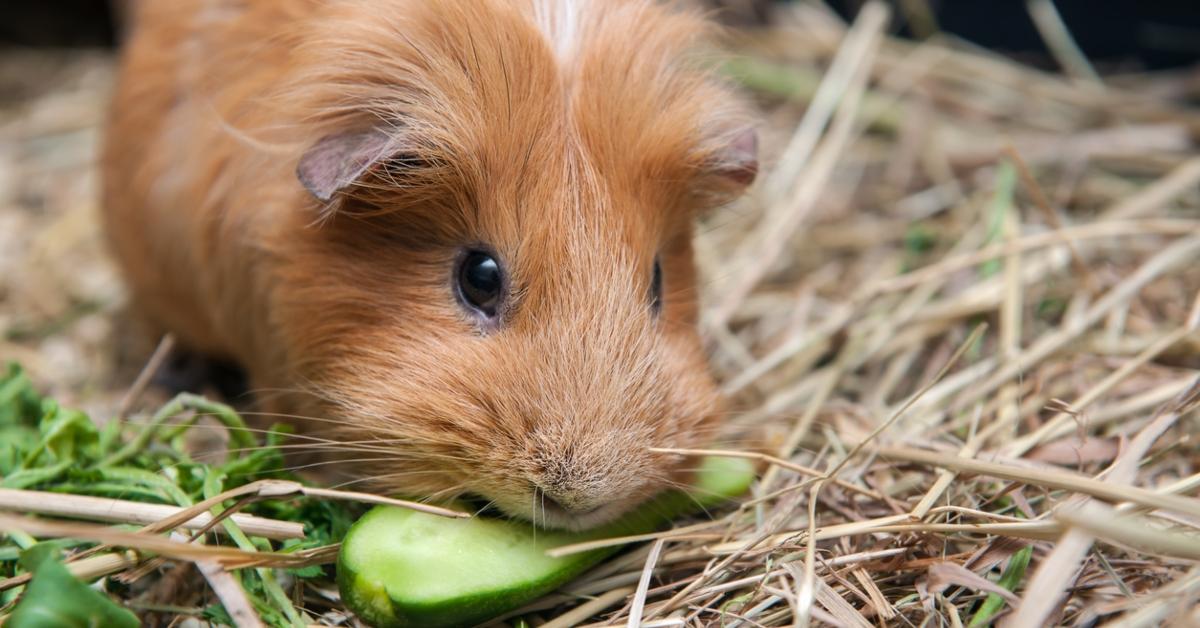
454, 236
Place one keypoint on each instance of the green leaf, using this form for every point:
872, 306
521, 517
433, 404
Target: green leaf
1013, 574
56, 599
27, 478
71, 434
19, 403
66, 436
20, 409
919, 239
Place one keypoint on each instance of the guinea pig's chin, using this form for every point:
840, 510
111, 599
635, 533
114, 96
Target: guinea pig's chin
547, 514
555, 517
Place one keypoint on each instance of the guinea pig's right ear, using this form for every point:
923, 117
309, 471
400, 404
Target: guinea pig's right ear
729, 165
737, 163
338, 160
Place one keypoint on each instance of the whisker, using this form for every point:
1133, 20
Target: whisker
360, 444
457, 491
323, 463
384, 476
352, 446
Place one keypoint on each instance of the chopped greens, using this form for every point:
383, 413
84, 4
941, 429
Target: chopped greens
46, 447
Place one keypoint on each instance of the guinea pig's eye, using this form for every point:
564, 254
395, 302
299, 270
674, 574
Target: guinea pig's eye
656, 287
480, 282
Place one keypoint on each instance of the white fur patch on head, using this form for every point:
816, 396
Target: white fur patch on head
559, 22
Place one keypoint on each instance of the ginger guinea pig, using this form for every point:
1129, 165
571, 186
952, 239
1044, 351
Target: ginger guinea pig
454, 234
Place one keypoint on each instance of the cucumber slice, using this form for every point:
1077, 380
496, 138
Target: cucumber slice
399, 567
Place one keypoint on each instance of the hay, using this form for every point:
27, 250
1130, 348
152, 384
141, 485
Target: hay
957, 322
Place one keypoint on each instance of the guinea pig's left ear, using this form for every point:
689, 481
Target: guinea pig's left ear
737, 163
338, 160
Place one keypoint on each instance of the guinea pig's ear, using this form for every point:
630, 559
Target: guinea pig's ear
737, 162
338, 160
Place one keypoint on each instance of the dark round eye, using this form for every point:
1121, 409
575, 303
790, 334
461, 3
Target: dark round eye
480, 282
656, 287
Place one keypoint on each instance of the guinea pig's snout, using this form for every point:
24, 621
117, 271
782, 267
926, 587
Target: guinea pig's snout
577, 491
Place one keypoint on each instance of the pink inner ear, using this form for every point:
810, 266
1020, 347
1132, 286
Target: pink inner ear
739, 162
336, 161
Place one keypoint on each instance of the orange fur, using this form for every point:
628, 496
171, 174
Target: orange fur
577, 159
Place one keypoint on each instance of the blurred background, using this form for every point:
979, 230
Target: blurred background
1126, 34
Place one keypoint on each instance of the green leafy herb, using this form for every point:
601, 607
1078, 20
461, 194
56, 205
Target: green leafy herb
46, 447
56, 599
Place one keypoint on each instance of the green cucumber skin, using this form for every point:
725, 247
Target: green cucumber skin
478, 567
465, 610
366, 591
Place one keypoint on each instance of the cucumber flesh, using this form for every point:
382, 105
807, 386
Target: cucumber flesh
399, 567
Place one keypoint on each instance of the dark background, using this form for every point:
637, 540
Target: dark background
1116, 34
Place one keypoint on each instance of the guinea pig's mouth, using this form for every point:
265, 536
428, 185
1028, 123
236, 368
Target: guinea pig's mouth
552, 515
546, 513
